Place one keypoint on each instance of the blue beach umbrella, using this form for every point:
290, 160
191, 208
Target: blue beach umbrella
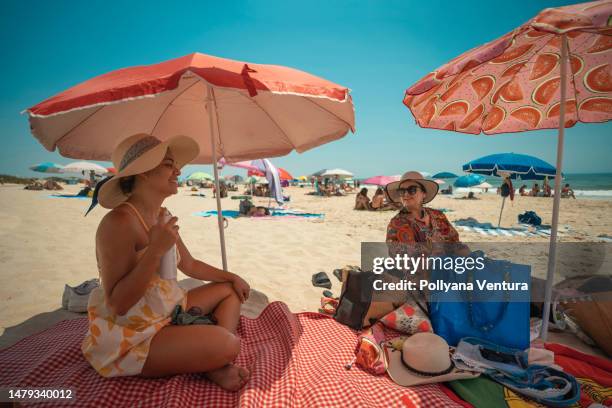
445, 175
516, 166
47, 167
469, 180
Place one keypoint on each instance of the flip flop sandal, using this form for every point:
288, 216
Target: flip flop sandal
328, 293
338, 274
321, 280
328, 305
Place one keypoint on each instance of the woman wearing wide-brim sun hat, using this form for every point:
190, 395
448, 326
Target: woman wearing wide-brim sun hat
416, 223
138, 321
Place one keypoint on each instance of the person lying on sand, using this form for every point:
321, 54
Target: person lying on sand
523, 190
362, 201
129, 315
258, 211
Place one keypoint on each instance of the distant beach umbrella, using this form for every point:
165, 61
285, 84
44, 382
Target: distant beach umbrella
469, 180
199, 176
333, 172
516, 166
527, 80
380, 180
234, 110
47, 167
439, 181
111, 170
84, 168
445, 175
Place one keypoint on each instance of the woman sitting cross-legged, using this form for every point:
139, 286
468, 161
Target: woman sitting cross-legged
129, 315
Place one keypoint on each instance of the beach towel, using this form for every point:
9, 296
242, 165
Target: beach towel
273, 213
296, 360
69, 196
487, 229
594, 374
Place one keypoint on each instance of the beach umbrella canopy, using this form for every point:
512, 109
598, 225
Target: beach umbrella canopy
200, 176
302, 178
283, 174
111, 170
551, 72
484, 185
445, 175
234, 110
439, 181
469, 180
380, 180
47, 167
84, 168
333, 172
516, 166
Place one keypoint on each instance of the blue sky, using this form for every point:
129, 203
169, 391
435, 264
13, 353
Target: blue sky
376, 48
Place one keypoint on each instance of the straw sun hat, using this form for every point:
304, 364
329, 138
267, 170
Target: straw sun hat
430, 187
424, 359
138, 154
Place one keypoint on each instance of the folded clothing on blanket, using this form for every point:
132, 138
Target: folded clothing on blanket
295, 360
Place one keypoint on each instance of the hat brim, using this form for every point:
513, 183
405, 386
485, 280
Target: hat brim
402, 376
184, 149
431, 189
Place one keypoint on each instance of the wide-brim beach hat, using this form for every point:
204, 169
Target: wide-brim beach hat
425, 358
140, 153
429, 186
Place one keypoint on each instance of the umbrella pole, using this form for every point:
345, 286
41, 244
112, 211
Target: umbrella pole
212, 110
552, 252
501, 211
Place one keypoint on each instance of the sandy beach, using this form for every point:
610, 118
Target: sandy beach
46, 242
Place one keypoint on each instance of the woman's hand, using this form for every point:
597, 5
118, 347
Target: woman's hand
241, 288
163, 235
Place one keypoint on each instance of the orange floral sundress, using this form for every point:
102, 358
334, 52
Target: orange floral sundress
118, 345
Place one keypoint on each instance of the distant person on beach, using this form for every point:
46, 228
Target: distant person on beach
546, 191
362, 201
567, 192
523, 190
131, 330
535, 190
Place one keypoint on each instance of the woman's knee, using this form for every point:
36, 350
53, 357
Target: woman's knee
231, 348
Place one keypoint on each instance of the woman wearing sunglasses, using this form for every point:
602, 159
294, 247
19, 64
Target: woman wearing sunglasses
416, 223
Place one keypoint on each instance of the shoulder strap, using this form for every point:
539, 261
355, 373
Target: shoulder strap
137, 214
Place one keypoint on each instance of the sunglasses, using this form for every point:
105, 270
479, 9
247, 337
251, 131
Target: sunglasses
412, 190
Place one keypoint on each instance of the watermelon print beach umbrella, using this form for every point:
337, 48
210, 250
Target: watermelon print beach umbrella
551, 72
234, 110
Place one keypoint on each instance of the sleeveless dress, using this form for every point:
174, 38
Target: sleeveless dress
118, 345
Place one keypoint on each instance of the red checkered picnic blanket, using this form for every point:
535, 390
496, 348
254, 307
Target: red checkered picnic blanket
296, 360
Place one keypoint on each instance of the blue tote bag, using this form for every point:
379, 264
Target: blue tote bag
497, 315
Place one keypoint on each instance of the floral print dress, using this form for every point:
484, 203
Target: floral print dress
118, 345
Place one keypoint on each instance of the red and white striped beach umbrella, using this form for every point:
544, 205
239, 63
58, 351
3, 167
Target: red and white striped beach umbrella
234, 110
551, 72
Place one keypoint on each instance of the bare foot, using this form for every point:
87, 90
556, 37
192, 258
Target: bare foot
230, 377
